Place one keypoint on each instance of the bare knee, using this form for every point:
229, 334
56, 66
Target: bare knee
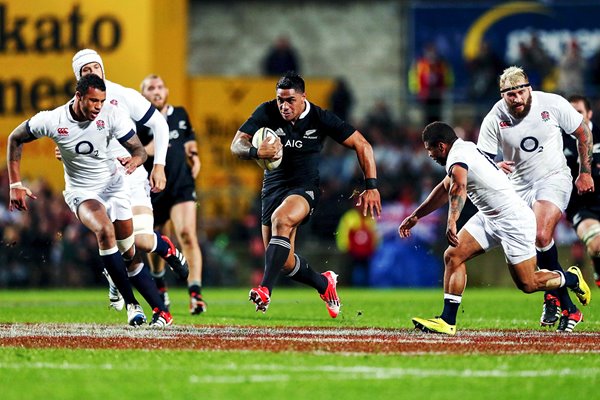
281, 225
105, 236
543, 238
188, 237
451, 259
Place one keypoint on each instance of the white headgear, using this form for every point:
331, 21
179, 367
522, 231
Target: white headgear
83, 57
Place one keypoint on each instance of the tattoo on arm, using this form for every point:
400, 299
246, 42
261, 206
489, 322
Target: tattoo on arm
584, 147
457, 198
135, 148
17, 138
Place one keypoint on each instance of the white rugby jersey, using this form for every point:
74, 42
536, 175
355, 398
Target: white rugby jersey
140, 110
487, 186
534, 143
87, 160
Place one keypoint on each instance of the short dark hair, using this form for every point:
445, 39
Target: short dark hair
291, 80
89, 81
577, 97
438, 132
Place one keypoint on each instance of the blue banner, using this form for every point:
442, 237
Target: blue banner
459, 31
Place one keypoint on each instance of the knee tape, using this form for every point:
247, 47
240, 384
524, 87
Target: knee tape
143, 224
590, 234
125, 244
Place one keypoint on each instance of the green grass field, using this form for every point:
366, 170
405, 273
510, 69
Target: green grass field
152, 374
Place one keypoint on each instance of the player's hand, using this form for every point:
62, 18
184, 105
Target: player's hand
506, 166
370, 201
158, 179
18, 195
584, 183
271, 150
57, 153
406, 226
130, 164
451, 234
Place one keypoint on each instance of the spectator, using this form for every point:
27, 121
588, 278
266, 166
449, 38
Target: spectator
281, 58
571, 68
341, 99
429, 78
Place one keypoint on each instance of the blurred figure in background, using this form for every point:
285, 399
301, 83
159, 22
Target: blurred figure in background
177, 202
571, 70
341, 99
583, 211
430, 77
281, 58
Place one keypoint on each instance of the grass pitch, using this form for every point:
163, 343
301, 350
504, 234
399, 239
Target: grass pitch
58, 373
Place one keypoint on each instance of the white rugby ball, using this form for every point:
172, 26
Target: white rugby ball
269, 135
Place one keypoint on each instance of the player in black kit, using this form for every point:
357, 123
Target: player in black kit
178, 201
583, 210
291, 192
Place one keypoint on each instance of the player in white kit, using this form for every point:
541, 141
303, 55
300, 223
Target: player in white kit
526, 126
503, 218
95, 188
140, 110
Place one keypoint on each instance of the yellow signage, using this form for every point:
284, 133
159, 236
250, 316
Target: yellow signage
38, 40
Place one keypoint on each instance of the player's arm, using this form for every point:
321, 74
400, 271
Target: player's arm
437, 198
18, 193
457, 197
585, 142
369, 199
135, 148
160, 131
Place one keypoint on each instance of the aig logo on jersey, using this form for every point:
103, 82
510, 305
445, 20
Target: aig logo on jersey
545, 116
100, 124
297, 144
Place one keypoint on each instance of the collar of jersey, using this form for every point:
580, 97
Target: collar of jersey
305, 113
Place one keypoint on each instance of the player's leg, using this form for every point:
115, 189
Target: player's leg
183, 217
455, 281
588, 231
149, 241
94, 216
547, 216
138, 273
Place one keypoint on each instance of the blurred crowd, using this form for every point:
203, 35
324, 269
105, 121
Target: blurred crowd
47, 246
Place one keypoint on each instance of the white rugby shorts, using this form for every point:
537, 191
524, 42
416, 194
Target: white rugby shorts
139, 188
115, 198
514, 231
555, 188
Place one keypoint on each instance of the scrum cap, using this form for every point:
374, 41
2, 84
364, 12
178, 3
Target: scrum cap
83, 57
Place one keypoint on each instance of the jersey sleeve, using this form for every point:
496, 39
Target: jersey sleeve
568, 118
257, 120
143, 112
488, 135
40, 125
338, 129
122, 127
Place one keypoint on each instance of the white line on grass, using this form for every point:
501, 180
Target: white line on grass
311, 373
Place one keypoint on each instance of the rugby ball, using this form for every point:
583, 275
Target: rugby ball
261, 135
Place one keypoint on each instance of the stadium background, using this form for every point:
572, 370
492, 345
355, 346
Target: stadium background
209, 53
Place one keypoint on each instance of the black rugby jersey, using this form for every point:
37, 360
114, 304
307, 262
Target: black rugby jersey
177, 169
302, 141
570, 150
